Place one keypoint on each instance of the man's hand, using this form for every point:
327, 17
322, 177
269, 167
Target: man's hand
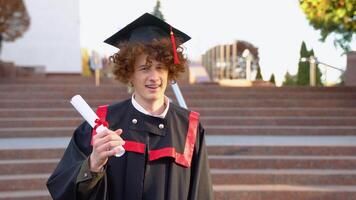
104, 146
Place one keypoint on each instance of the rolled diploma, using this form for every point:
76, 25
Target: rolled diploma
89, 115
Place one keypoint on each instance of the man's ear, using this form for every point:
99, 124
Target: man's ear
130, 84
172, 81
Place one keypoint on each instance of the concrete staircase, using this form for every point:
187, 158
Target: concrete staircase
264, 143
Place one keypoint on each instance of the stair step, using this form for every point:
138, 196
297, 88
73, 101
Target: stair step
283, 121
212, 150
282, 150
23, 182
219, 176
275, 112
25, 166
67, 131
26, 195
12, 185
207, 121
322, 103
212, 111
50, 153
283, 176
279, 130
282, 162
282, 192
36, 132
211, 140
222, 192
189, 95
61, 84
277, 140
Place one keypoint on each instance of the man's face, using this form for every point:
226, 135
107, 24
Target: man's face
149, 80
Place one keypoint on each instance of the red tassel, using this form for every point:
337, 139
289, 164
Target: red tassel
175, 55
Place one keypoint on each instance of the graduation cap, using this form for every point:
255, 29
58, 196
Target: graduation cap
146, 29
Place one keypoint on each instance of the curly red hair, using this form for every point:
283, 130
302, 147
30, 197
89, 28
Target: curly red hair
159, 50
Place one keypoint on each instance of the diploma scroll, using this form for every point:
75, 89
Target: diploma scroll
89, 115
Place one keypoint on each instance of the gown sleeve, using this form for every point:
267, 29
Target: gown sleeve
200, 184
63, 183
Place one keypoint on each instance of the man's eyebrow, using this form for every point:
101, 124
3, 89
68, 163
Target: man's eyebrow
143, 65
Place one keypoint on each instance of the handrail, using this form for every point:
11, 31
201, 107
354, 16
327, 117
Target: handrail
179, 95
327, 65
315, 60
312, 67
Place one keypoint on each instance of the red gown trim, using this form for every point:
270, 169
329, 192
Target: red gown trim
184, 159
133, 146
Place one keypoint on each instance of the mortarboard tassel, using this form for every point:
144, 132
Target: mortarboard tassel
175, 55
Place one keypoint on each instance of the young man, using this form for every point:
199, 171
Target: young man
165, 154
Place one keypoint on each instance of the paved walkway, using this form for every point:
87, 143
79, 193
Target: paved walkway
255, 140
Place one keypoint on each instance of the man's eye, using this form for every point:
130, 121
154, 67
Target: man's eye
144, 68
159, 67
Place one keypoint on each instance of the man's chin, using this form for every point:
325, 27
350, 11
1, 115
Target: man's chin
154, 97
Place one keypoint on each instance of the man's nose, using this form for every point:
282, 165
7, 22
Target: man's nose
154, 75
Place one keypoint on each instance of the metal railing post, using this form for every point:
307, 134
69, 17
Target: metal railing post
312, 71
179, 96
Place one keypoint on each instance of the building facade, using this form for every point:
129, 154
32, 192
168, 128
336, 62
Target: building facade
52, 40
238, 60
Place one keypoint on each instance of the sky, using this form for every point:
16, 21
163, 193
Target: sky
276, 27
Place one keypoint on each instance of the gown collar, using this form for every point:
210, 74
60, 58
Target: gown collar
140, 108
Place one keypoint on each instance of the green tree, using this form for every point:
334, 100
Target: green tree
272, 79
303, 67
259, 75
157, 11
332, 16
289, 79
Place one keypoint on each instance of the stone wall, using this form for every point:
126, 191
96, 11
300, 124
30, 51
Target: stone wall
10, 70
350, 74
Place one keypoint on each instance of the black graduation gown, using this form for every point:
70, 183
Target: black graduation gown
159, 162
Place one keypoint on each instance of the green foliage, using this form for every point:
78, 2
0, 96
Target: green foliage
157, 12
303, 67
332, 16
259, 75
289, 79
272, 79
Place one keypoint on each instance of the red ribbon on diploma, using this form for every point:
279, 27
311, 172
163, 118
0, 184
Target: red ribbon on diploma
99, 122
